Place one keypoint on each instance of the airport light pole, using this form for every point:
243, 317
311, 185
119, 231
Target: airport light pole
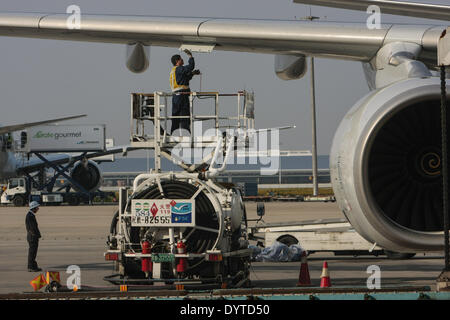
313, 118
314, 131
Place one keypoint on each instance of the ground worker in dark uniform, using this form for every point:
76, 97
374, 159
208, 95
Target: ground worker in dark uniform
33, 236
180, 76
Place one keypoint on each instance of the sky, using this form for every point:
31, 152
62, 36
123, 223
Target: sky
43, 79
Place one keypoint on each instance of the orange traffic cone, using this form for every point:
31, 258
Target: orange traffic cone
303, 277
325, 281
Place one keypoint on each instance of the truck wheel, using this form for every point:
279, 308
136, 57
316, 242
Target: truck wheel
398, 255
19, 201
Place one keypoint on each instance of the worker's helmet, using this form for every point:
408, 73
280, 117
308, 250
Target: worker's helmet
34, 204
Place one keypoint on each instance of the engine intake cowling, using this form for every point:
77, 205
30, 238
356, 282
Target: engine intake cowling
386, 166
87, 174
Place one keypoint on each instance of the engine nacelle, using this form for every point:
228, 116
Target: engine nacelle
290, 67
386, 166
138, 57
87, 174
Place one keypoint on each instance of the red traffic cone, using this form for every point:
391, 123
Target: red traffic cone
303, 277
325, 281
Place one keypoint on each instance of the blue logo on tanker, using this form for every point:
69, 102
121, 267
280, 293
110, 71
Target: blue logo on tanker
182, 212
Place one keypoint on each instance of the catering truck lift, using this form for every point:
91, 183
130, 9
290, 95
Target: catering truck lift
48, 159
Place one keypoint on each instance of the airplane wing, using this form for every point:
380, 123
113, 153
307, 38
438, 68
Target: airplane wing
402, 8
17, 127
352, 41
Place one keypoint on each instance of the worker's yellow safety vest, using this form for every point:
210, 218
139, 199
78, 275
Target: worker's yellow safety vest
173, 82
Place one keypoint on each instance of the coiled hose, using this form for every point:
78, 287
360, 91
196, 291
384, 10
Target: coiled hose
205, 215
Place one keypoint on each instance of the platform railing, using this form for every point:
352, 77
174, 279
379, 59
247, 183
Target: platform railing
154, 108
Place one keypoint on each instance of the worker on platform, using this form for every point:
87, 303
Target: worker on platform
33, 236
180, 76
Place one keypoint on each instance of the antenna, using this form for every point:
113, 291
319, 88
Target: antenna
311, 17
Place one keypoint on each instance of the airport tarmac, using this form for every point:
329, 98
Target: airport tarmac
77, 236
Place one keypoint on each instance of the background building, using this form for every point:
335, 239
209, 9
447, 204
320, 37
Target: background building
292, 169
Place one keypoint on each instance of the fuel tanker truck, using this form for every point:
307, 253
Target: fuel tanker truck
183, 226
179, 227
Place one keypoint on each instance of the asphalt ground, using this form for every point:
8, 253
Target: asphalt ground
77, 236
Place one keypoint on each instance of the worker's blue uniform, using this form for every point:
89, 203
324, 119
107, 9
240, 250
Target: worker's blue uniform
179, 82
33, 236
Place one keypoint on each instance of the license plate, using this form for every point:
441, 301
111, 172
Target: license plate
162, 257
163, 213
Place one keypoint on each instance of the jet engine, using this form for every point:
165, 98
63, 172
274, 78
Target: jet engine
385, 166
87, 174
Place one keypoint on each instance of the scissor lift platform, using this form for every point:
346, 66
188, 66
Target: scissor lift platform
150, 121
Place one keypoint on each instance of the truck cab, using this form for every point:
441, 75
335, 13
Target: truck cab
16, 192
